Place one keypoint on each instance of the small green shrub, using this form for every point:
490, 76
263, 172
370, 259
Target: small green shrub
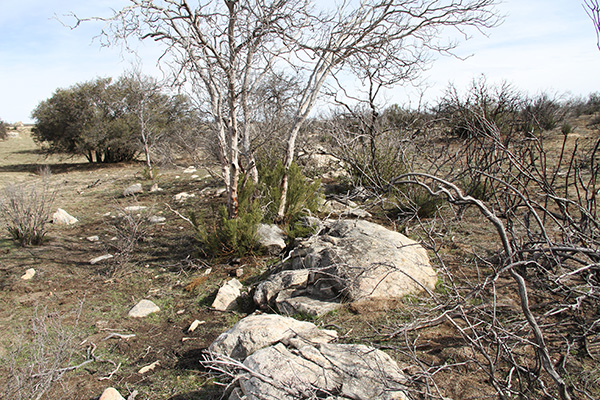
224, 236
418, 201
566, 128
304, 197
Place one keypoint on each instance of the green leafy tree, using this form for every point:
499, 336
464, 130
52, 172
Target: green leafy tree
108, 121
3, 130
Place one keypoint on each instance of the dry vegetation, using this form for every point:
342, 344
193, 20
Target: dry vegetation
471, 338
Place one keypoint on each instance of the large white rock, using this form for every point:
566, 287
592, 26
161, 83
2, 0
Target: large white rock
257, 331
183, 196
286, 359
143, 309
61, 217
271, 238
266, 292
356, 259
298, 369
29, 274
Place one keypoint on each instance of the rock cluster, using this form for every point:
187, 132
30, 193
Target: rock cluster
348, 260
282, 358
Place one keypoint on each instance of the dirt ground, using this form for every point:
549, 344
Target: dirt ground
93, 300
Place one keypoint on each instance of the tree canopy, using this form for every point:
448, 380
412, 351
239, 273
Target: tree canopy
105, 120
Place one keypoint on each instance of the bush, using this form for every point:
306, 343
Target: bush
542, 113
3, 130
130, 227
35, 367
259, 203
303, 196
231, 236
483, 111
26, 212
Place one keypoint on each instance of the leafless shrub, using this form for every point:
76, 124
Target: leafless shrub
542, 204
129, 228
34, 367
26, 212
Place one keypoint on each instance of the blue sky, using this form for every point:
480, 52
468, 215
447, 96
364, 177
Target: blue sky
543, 45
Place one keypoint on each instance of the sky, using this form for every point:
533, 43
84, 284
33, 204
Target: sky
542, 46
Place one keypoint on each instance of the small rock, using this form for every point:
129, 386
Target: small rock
195, 325
195, 176
94, 238
183, 196
207, 271
136, 188
100, 259
134, 208
61, 217
227, 296
111, 394
143, 309
190, 170
179, 312
156, 219
239, 272
155, 188
149, 368
30, 273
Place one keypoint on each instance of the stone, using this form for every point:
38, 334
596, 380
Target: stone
143, 309
261, 330
94, 238
156, 219
349, 209
134, 189
227, 296
356, 259
29, 274
266, 292
132, 209
183, 196
286, 359
99, 259
296, 369
154, 188
271, 238
149, 368
61, 217
111, 394
190, 170
194, 325
305, 305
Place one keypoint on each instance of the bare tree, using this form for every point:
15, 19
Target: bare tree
394, 38
225, 49
144, 103
592, 8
